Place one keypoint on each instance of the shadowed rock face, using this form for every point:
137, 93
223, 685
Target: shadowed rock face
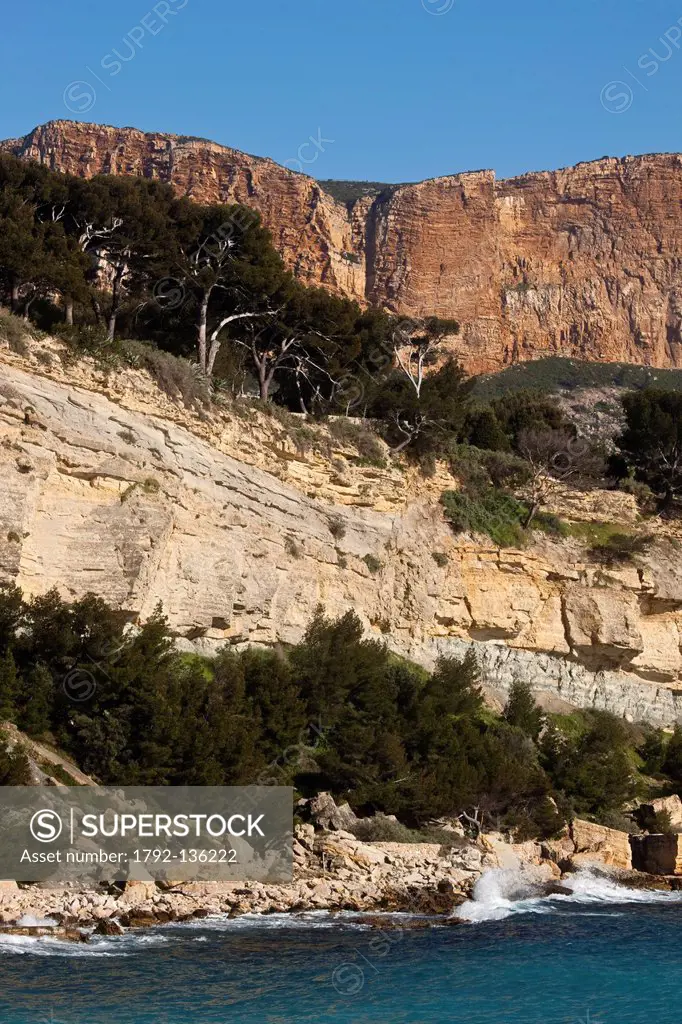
582, 262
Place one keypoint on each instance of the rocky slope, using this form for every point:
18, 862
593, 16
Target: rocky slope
241, 527
581, 262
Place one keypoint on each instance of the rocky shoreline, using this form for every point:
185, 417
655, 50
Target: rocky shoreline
334, 871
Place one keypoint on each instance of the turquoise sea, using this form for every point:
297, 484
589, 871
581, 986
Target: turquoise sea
599, 955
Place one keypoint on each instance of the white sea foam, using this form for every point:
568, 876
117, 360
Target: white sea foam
29, 921
135, 941
314, 919
45, 946
501, 892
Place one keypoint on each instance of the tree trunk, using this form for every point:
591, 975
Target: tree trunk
116, 299
213, 350
68, 310
15, 297
264, 382
97, 310
531, 514
202, 329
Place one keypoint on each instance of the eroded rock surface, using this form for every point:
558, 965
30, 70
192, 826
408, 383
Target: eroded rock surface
110, 487
581, 262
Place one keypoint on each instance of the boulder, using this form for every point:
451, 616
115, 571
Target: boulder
326, 814
603, 845
670, 805
109, 927
658, 854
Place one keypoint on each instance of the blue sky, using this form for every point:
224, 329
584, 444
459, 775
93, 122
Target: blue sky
392, 90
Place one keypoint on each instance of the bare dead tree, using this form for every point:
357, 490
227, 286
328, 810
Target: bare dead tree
415, 346
555, 456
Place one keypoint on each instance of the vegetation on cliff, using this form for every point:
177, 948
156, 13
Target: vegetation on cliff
335, 712
126, 271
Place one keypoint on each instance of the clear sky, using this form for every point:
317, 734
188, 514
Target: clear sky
391, 90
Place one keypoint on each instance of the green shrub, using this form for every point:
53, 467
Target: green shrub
176, 377
642, 493
383, 828
292, 548
372, 563
621, 548
494, 513
58, 773
15, 333
549, 523
440, 558
558, 373
337, 528
365, 442
478, 469
89, 340
659, 822
15, 769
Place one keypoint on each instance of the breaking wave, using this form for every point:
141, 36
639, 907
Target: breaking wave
502, 892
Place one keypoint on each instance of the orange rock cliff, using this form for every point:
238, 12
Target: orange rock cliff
583, 262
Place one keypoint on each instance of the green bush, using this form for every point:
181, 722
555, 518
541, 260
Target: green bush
365, 442
494, 514
642, 493
15, 769
479, 470
557, 374
176, 377
382, 828
549, 523
440, 558
621, 548
89, 340
14, 331
372, 563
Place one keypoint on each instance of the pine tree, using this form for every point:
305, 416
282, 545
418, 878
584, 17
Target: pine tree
38, 694
522, 711
9, 686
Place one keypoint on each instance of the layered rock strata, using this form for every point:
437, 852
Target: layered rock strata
582, 262
241, 533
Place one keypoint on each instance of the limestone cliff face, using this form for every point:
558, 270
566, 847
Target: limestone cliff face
308, 227
582, 262
108, 486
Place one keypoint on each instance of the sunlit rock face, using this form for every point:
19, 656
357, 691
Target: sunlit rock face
582, 262
111, 487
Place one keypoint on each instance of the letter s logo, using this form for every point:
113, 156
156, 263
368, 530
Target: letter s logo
617, 97
46, 826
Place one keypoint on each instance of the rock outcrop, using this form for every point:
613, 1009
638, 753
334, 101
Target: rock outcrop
581, 262
242, 531
597, 843
659, 854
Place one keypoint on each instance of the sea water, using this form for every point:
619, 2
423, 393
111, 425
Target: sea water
599, 954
